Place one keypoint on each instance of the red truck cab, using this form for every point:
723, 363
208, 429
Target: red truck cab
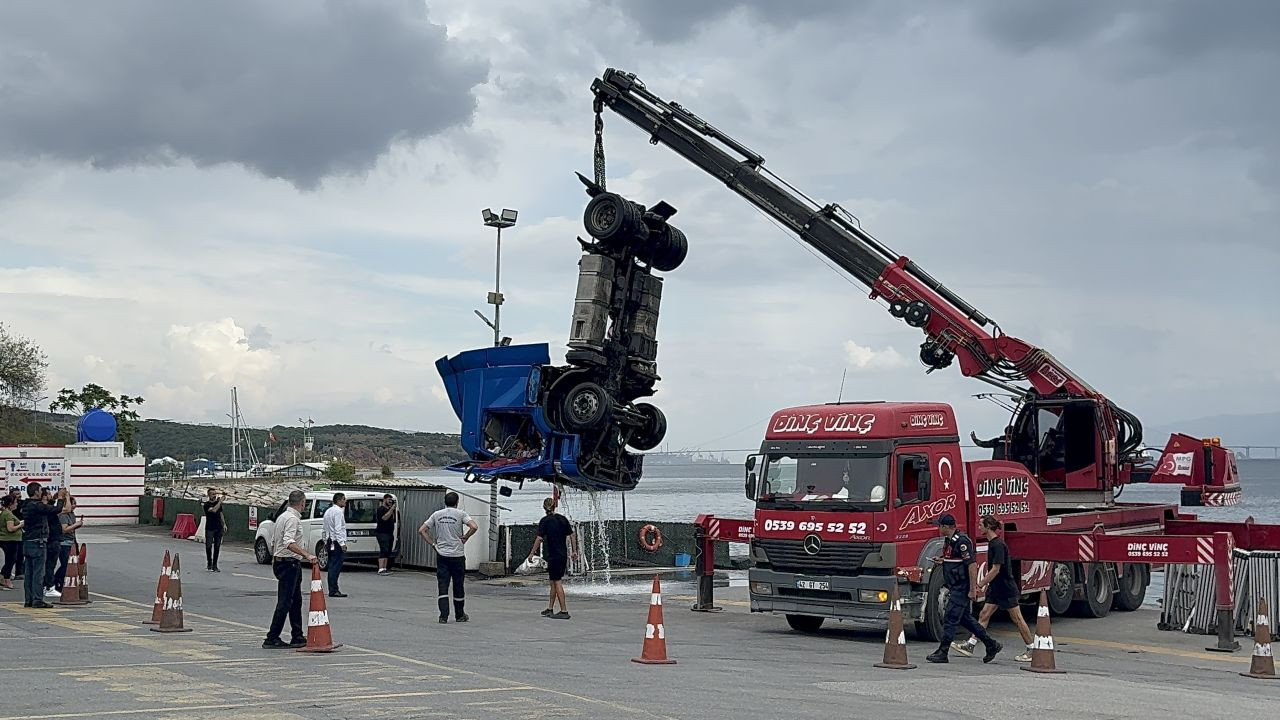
846, 496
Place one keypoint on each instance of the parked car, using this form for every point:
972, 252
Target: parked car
361, 543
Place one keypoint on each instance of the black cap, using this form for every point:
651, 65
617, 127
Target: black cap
947, 519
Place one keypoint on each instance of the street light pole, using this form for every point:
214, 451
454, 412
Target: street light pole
498, 221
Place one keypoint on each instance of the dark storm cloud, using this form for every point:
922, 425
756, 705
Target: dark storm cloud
292, 90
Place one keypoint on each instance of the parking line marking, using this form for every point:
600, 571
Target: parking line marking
255, 577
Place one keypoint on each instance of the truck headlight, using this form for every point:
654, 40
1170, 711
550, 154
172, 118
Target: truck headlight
873, 596
761, 588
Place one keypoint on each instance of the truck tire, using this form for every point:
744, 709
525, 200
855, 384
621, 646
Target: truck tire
611, 219
261, 552
322, 555
1097, 592
585, 407
650, 435
1132, 588
670, 248
805, 623
1062, 588
935, 604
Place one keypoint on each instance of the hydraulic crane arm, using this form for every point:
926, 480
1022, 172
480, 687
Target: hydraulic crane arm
953, 328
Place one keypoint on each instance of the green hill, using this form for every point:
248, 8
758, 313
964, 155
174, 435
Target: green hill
360, 445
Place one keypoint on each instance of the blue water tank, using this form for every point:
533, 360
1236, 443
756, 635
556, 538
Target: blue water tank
96, 426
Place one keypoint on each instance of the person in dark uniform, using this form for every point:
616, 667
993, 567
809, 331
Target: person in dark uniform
961, 577
1001, 582
999, 446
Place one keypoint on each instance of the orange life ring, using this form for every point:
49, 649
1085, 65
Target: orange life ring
646, 543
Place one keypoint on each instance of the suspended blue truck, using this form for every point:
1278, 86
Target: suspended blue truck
578, 423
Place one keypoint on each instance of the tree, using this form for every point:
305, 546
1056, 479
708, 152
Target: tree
387, 472
340, 471
92, 397
22, 369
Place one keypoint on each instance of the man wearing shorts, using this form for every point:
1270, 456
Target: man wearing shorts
1002, 590
554, 532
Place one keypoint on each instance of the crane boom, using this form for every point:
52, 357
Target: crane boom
954, 329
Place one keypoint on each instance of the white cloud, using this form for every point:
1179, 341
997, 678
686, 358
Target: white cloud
866, 358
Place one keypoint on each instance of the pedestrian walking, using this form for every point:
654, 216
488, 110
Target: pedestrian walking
70, 523
448, 529
554, 532
386, 517
10, 540
215, 527
960, 575
335, 538
35, 542
1001, 583
286, 556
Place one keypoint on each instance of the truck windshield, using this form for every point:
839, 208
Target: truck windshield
861, 480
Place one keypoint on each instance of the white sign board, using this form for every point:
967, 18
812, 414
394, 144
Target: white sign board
19, 472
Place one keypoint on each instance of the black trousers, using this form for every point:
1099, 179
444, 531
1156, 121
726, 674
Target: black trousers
288, 599
51, 554
12, 557
960, 612
212, 546
451, 570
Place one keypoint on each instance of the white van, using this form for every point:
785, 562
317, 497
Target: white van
361, 542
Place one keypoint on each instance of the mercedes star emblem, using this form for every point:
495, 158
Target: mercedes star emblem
812, 544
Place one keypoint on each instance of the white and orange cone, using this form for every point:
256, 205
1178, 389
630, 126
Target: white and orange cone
319, 635
655, 632
1042, 658
895, 639
1262, 665
83, 582
171, 616
71, 583
157, 609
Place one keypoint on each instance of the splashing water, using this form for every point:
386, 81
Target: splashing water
587, 512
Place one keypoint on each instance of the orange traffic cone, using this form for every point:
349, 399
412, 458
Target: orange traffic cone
1262, 665
655, 633
1042, 647
71, 583
171, 617
84, 574
895, 640
319, 634
157, 608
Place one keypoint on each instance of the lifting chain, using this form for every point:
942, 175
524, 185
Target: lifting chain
599, 152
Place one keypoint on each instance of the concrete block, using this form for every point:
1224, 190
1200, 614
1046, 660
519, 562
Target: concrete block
493, 569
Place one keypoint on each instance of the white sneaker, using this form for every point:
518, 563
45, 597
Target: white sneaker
963, 648
52, 592
1024, 657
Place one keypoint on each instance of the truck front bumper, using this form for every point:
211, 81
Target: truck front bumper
843, 598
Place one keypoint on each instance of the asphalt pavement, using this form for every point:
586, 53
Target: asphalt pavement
98, 661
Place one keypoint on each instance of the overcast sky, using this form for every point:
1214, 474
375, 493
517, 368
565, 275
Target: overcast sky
286, 196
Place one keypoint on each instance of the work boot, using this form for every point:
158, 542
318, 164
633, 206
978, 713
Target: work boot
993, 649
939, 655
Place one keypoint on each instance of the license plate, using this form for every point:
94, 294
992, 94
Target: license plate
813, 585
357, 533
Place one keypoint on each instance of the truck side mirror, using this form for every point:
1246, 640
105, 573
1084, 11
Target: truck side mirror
753, 481
751, 462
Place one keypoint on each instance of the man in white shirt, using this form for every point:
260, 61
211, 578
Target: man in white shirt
335, 537
286, 555
448, 530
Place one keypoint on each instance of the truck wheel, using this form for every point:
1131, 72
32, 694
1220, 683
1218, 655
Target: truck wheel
935, 605
648, 436
611, 219
1132, 589
585, 406
1062, 588
804, 623
1097, 593
261, 552
670, 249
322, 555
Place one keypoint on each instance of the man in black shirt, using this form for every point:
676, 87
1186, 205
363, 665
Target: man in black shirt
385, 517
960, 575
214, 527
54, 549
554, 532
1001, 581
35, 541
998, 446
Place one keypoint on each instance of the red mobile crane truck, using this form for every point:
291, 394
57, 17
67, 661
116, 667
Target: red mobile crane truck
845, 493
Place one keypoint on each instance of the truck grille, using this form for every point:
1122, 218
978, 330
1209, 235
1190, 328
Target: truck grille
834, 558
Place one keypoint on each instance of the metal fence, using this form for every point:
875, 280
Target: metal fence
1189, 594
417, 502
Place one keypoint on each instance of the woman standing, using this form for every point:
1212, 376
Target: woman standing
68, 545
10, 540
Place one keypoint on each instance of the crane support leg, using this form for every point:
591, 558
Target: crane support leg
707, 531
